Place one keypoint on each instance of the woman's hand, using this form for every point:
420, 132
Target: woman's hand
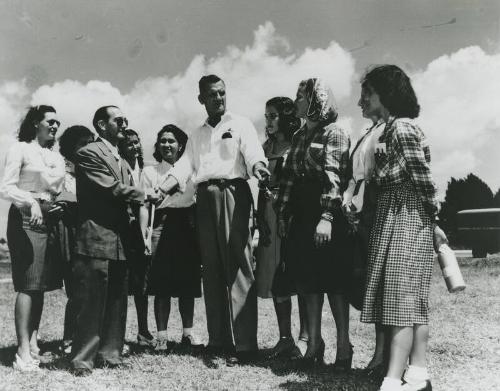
282, 229
147, 241
36, 219
439, 238
323, 233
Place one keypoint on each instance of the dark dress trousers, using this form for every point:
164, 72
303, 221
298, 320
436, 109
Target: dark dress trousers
104, 231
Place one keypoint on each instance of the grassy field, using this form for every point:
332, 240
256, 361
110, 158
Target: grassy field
464, 347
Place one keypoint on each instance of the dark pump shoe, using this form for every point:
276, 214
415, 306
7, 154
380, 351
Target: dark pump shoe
191, 341
344, 364
285, 347
241, 358
314, 359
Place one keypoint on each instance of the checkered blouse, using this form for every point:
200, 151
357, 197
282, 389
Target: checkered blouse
407, 159
325, 157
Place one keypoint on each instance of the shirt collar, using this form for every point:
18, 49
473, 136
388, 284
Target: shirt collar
227, 115
111, 147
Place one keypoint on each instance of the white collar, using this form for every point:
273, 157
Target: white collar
225, 116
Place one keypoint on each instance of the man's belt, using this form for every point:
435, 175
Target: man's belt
222, 182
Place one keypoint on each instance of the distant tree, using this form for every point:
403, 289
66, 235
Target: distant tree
467, 193
496, 199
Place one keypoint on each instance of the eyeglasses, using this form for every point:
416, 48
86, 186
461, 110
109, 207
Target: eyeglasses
271, 116
51, 122
121, 120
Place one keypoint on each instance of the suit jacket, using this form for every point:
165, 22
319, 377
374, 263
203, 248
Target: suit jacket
104, 194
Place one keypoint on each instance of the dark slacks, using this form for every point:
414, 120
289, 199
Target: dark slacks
101, 295
223, 213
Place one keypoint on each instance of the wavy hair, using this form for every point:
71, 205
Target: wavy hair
394, 89
179, 135
35, 114
288, 124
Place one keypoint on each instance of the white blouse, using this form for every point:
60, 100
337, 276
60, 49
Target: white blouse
154, 176
363, 165
31, 172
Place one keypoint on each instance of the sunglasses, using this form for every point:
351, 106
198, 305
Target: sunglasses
52, 122
121, 120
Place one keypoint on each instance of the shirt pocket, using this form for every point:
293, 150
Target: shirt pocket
315, 156
228, 148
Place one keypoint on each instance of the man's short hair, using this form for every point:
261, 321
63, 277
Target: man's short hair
101, 114
207, 80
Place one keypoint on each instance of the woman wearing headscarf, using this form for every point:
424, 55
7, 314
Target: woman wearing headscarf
400, 254
33, 177
271, 274
310, 217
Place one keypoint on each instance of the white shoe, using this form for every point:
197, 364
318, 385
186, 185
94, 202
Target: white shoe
424, 385
25, 366
191, 340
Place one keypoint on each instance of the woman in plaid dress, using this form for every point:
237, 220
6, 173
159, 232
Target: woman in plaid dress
401, 255
308, 206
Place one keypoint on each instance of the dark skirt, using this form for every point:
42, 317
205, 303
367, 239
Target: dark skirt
315, 269
35, 253
175, 269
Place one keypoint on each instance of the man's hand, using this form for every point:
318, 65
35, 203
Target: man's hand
154, 197
323, 233
36, 219
261, 172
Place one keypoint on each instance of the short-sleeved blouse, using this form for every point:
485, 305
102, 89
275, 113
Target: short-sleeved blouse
154, 176
31, 172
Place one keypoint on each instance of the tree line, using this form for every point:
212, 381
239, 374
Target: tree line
466, 193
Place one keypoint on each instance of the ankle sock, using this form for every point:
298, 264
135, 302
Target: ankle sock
390, 384
162, 334
415, 374
186, 331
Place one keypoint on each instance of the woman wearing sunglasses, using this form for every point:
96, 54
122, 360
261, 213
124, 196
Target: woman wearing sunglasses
33, 177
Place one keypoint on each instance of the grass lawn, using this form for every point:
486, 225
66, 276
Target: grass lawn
464, 347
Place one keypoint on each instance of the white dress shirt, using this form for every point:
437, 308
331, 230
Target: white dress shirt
154, 176
363, 165
31, 172
227, 151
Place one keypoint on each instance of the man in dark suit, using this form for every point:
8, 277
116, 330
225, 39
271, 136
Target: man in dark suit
104, 194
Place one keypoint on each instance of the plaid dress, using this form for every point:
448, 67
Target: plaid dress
400, 254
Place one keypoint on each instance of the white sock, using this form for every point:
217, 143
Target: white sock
390, 384
186, 331
416, 374
162, 334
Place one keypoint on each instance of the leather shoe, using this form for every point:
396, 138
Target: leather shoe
240, 358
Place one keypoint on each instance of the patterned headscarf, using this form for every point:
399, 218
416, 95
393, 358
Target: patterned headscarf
322, 106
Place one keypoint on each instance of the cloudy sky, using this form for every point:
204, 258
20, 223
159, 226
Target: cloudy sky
147, 56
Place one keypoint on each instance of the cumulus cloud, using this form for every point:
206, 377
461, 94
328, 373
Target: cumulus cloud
460, 114
457, 93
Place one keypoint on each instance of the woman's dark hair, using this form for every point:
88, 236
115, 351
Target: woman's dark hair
27, 130
394, 89
132, 133
288, 124
179, 135
69, 140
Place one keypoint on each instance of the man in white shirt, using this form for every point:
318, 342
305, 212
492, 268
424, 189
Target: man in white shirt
220, 156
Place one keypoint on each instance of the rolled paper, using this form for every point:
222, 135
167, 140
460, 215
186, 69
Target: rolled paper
450, 269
